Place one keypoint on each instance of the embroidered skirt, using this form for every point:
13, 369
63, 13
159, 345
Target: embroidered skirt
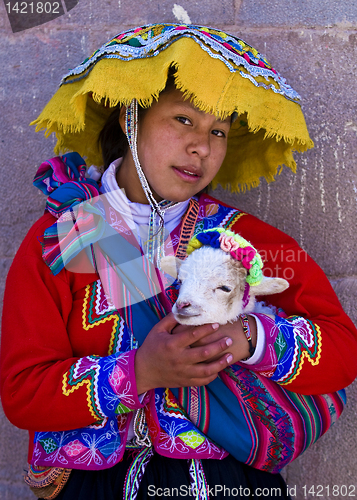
172, 478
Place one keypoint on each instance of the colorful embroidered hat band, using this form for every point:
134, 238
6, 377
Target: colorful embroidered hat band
232, 243
220, 73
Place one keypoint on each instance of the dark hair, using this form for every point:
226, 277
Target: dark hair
112, 139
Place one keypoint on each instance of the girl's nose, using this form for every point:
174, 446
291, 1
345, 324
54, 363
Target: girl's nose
200, 145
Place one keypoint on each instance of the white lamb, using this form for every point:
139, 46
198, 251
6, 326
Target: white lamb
215, 282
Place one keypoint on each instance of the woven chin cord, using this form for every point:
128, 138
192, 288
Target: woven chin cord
155, 240
131, 131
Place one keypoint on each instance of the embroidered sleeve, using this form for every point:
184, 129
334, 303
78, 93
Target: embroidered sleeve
312, 347
290, 342
110, 384
44, 384
111, 396
309, 349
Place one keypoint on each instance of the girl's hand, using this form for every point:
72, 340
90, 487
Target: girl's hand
240, 347
166, 360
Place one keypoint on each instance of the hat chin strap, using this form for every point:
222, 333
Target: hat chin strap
131, 131
155, 242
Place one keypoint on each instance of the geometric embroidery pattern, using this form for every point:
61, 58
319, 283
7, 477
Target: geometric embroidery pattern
177, 431
85, 372
231, 219
97, 309
303, 343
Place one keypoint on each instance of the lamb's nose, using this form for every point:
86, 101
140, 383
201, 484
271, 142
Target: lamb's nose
181, 305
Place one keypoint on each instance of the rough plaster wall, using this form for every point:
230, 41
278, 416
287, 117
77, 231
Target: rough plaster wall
313, 43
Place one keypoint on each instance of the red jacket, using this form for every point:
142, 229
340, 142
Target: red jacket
49, 322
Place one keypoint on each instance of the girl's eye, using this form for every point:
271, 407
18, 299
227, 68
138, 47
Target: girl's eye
224, 288
183, 120
218, 133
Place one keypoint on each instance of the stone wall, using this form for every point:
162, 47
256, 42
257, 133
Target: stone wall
313, 43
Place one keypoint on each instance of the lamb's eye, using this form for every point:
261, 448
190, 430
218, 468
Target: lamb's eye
224, 288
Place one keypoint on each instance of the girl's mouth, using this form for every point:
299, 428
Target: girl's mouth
186, 174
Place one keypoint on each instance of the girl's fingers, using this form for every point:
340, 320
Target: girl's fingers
204, 373
208, 339
188, 335
201, 354
166, 360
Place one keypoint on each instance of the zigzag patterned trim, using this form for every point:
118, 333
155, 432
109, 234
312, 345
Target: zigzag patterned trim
73, 379
188, 227
230, 219
87, 310
90, 303
300, 356
169, 406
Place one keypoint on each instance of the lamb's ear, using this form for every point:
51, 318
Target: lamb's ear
171, 265
269, 286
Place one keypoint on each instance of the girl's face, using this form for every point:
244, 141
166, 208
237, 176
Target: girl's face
180, 149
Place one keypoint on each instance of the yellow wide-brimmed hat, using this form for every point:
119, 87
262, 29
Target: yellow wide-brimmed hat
220, 73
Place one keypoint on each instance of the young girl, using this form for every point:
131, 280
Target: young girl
89, 346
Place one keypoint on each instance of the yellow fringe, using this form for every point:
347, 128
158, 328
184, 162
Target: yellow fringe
275, 126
